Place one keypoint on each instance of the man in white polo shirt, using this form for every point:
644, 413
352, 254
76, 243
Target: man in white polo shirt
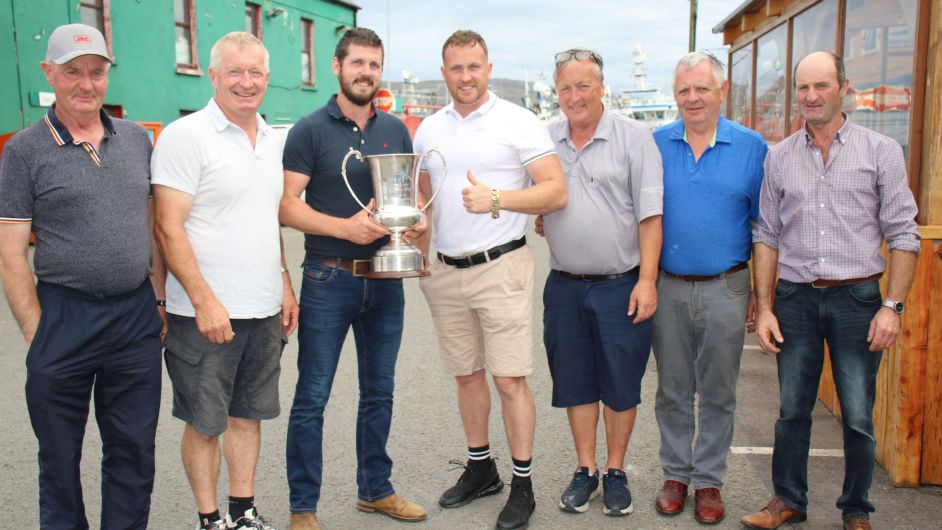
218, 183
503, 166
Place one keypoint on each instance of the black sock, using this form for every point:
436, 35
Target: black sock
207, 519
522, 469
479, 456
239, 505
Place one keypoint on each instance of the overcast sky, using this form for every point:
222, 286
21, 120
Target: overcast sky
525, 35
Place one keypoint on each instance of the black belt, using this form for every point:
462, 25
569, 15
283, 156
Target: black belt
694, 278
482, 257
595, 277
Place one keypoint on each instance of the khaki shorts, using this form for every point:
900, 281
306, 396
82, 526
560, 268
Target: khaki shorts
484, 314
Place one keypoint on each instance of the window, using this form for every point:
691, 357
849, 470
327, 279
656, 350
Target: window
253, 19
307, 53
770, 84
97, 14
879, 43
813, 30
740, 86
184, 12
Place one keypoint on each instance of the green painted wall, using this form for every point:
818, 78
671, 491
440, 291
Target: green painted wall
144, 80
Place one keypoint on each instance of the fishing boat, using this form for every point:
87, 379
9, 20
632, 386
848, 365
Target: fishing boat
645, 103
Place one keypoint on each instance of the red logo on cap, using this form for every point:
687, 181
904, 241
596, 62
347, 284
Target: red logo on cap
82, 39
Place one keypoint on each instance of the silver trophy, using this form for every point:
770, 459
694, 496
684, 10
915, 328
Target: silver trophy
396, 189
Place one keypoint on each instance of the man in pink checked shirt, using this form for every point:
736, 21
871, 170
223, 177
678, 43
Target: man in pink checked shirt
833, 192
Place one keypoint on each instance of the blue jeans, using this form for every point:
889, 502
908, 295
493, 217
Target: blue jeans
698, 336
807, 318
333, 300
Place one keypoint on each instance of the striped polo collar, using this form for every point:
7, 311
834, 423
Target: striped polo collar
61, 134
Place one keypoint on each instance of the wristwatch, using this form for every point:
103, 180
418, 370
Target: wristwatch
895, 305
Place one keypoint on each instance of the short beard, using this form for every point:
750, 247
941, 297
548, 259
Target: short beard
357, 99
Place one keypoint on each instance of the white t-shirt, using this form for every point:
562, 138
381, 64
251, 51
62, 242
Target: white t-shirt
496, 142
233, 224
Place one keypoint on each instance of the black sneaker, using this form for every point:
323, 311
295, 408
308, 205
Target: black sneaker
480, 479
583, 488
250, 520
519, 507
617, 498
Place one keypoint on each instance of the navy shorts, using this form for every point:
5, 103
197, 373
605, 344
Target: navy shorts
594, 350
212, 382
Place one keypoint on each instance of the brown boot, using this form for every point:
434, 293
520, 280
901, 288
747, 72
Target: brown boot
670, 500
775, 514
395, 507
708, 506
304, 521
857, 523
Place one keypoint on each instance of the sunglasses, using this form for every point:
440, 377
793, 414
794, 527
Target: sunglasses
579, 55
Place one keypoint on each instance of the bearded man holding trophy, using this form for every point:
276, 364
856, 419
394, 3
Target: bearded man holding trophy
349, 212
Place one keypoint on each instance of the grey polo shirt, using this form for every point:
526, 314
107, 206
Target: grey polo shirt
615, 182
88, 208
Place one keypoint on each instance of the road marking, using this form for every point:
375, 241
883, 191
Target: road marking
838, 453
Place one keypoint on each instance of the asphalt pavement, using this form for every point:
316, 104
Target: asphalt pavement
426, 434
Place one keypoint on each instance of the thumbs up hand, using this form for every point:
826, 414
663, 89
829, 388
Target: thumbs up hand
477, 196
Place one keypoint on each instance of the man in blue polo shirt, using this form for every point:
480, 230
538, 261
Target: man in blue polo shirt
80, 180
712, 177
337, 232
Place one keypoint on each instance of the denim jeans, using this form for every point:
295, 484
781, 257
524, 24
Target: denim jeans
699, 329
333, 300
807, 318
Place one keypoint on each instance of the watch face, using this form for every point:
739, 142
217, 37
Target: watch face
898, 307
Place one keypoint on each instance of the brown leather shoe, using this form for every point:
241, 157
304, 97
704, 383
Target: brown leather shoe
708, 506
670, 500
775, 513
304, 521
395, 507
857, 523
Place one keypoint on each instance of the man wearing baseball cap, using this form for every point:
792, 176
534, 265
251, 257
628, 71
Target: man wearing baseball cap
80, 181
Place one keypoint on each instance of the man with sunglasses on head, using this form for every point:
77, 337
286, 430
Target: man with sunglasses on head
712, 177
600, 294
502, 166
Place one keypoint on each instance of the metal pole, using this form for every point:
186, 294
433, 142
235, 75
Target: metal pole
388, 48
693, 25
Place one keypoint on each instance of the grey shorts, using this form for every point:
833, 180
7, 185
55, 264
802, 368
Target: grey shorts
212, 382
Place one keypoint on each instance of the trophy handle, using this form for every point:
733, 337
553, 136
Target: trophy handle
343, 173
444, 173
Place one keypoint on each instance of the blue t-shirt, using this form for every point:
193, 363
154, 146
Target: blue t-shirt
316, 146
709, 204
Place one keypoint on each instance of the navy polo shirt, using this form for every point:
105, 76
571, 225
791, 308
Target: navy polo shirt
316, 146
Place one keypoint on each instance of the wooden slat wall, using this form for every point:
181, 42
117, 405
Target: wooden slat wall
932, 426
930, 183
907, 413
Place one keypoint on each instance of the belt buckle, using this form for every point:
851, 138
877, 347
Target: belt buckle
468, 259
814, 285
366, 267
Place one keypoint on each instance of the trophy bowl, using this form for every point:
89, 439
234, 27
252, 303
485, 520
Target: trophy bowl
395, 179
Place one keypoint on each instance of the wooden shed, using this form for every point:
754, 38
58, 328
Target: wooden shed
892, 51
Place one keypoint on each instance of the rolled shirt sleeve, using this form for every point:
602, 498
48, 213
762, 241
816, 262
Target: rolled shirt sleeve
897, 205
